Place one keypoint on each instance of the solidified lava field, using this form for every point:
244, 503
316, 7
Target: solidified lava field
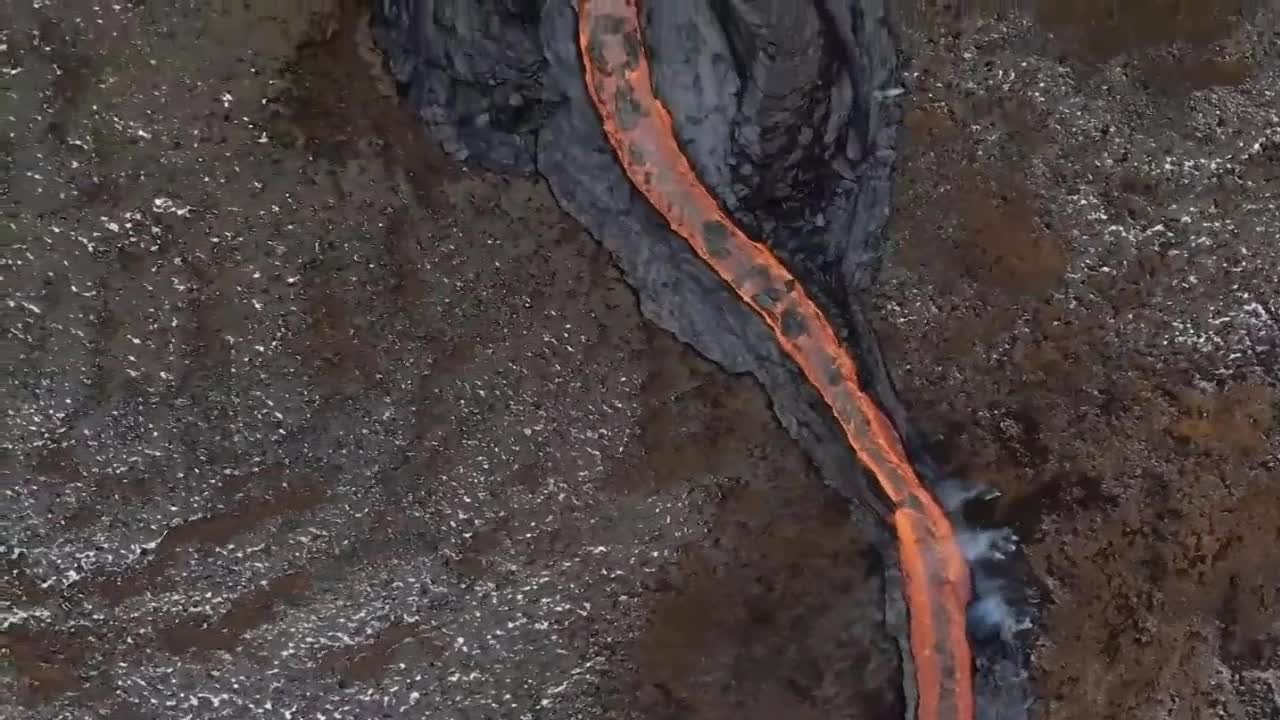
302, 417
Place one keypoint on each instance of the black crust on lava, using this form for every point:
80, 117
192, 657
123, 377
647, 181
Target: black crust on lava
808, 171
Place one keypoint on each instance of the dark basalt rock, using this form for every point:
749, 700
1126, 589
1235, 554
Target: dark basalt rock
474, 71
788, 110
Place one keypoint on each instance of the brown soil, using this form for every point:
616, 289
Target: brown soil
763, 618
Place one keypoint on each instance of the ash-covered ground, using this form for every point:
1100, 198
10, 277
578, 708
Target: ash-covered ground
301, 418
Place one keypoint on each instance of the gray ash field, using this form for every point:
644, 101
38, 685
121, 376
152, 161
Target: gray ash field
302, 418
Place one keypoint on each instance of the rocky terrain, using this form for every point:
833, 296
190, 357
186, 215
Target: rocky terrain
303, 417
1081, 309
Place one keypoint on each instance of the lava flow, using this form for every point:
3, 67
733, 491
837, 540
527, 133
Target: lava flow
639, 127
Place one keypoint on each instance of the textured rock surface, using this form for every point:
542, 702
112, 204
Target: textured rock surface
303, 419
1130, 420
474, 69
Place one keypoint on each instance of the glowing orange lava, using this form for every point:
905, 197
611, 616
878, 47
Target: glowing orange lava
639, 128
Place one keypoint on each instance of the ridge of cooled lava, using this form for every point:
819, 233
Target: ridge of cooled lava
761, 195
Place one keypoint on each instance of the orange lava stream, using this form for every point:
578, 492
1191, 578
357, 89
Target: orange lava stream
639, 127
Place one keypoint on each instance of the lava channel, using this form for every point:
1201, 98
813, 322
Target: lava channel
640, 129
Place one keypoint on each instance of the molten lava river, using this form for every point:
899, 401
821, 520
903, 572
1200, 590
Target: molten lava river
640, 129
